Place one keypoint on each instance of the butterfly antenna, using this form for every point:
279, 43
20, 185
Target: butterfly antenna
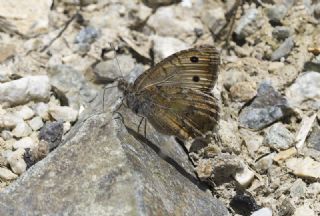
115, 56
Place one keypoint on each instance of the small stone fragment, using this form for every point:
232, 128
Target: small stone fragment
286, 208
244, 177
314, 138
304, 167
262, 212
248, 23
87, 35
204, 169
268, 107
66, 127
277, 12
52, 133
281, 32
305, 91
165, 46
284, 155
264, 163
6, 135
214, 19
283, 50
107, 71
26, 142
22, 130
63, 113
9, 120
16, 161
279, 137
298, 188
244, 204
37, 153
31, 88
42, 110
305, 211
6, 174
314, 189
25, 112
243, 91
36, 123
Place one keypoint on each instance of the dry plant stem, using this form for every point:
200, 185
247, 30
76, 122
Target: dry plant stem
60, 33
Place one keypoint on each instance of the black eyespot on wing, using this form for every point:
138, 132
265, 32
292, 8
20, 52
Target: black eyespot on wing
194, 59
195, 78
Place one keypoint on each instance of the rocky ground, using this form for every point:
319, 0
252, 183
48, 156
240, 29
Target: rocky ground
57, 56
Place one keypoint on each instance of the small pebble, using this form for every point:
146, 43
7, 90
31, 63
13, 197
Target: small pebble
6, 174
283, 50
6, 135
304, 167
279, 137
262, 212
66, 127
87, 35
243, 91
304, 211
25, 113
314, 189
52, 133
63, 113
244, 177
15, 159
22, 130
26, 142
281, 32
36, 123
264, 163
24, 90
9, 120
42, 110
298, 188
284, 155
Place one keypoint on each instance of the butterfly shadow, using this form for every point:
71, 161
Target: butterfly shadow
145, 141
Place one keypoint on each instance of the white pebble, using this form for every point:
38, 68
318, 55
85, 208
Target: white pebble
244, 177
262, 212
66, 127
304, 211
24, 90
36, 123
21, 130
304, 167
64, 113
25, 113
9, 120
6, 135
42, 110
15, 159
26, 142
6, 174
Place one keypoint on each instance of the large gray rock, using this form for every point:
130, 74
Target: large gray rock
104, 167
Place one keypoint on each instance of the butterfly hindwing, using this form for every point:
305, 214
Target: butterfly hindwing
185, 113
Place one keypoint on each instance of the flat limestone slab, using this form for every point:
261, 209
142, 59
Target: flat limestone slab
104, 168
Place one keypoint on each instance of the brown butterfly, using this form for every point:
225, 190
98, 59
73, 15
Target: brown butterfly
175, 95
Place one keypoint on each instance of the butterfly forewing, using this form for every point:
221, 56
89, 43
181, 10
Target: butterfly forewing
195, 68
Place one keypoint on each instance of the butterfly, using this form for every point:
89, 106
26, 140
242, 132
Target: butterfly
175, 95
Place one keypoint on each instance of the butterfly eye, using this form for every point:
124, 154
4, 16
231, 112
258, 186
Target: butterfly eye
196, 78
194, 59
